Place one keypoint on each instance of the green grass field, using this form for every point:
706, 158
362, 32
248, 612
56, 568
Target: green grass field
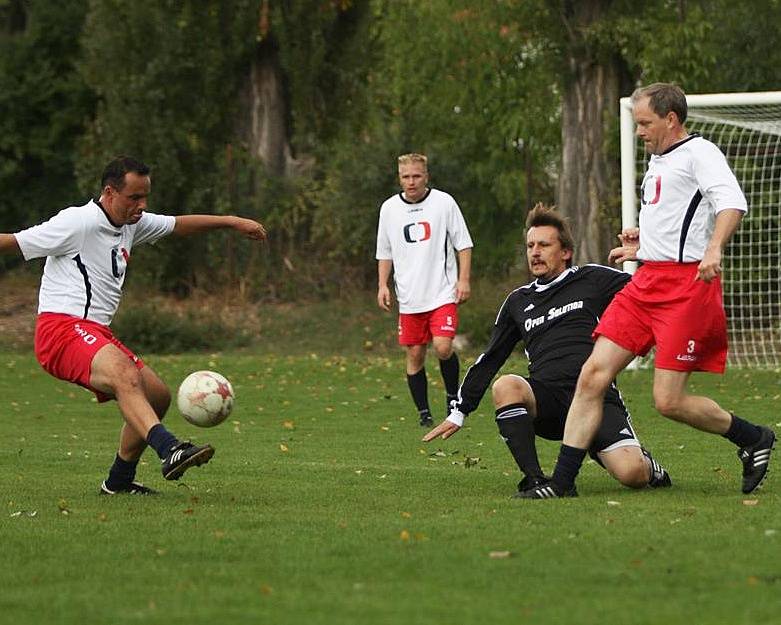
323, 506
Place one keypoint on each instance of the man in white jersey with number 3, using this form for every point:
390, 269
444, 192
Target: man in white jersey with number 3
87, 249
421, 231
691, 205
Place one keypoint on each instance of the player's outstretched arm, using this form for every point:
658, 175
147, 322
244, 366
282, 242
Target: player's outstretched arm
193, 224
9, 245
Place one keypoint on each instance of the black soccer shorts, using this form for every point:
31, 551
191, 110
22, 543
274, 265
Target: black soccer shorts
553, 402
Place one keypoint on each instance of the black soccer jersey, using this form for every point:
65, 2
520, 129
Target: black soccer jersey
554, 320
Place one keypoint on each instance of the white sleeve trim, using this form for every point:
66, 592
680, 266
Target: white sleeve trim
456, 418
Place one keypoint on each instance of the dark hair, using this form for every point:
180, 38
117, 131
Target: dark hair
114, 172
664, 97
542, 215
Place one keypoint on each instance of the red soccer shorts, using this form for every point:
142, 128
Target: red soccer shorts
66, 345
419, 328
664, 305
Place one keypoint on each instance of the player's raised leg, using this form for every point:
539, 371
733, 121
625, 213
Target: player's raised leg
114, 374
122, 474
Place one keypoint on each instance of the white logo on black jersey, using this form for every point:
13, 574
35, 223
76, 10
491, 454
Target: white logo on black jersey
528, 308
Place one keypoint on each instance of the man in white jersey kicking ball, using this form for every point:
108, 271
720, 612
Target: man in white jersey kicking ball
691, 204
421, 231
87, 249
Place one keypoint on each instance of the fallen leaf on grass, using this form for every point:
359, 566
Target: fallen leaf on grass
288, 425
498, 555
283, 447
613, 503
404, 536
750, 502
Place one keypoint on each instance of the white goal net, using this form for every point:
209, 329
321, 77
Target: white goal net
747, 128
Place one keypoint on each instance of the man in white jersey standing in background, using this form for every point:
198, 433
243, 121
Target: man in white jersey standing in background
423, 238
87, 249
691, 204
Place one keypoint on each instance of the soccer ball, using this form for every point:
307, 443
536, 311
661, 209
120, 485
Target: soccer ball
205, 398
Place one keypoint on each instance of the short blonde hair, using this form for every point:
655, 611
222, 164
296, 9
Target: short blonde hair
413, 157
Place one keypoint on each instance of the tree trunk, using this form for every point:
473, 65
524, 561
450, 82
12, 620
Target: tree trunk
588, 189
264, 124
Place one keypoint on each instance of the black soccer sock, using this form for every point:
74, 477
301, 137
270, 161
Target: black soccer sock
418, 388
450, 370
161, 440
742, 433
121, 473
517, 430
567, 466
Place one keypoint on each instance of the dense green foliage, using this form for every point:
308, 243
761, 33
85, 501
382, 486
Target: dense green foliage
477, 85
44, 104
322, 506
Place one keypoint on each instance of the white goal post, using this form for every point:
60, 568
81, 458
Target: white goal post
747, 128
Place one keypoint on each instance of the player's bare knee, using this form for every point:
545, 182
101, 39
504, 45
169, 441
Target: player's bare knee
593, 380
443, 351
634, 475
667, 405
509, 389
127, 380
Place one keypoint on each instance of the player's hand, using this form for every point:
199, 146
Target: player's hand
710, 265
446, 429
630, 236
630, 244
622, 254
251, 229
463, 291
384, 297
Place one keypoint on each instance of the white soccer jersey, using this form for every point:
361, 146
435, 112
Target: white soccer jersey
421, 238
683, 190
86, 258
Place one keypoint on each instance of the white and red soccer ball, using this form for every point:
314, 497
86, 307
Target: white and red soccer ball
205, 398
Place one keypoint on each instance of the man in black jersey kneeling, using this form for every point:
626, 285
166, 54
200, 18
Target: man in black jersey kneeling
554, 316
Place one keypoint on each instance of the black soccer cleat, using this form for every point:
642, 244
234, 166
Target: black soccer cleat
756, 458
530, 481
426, 420
133, 488
660, 478
547, 490
183, 456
